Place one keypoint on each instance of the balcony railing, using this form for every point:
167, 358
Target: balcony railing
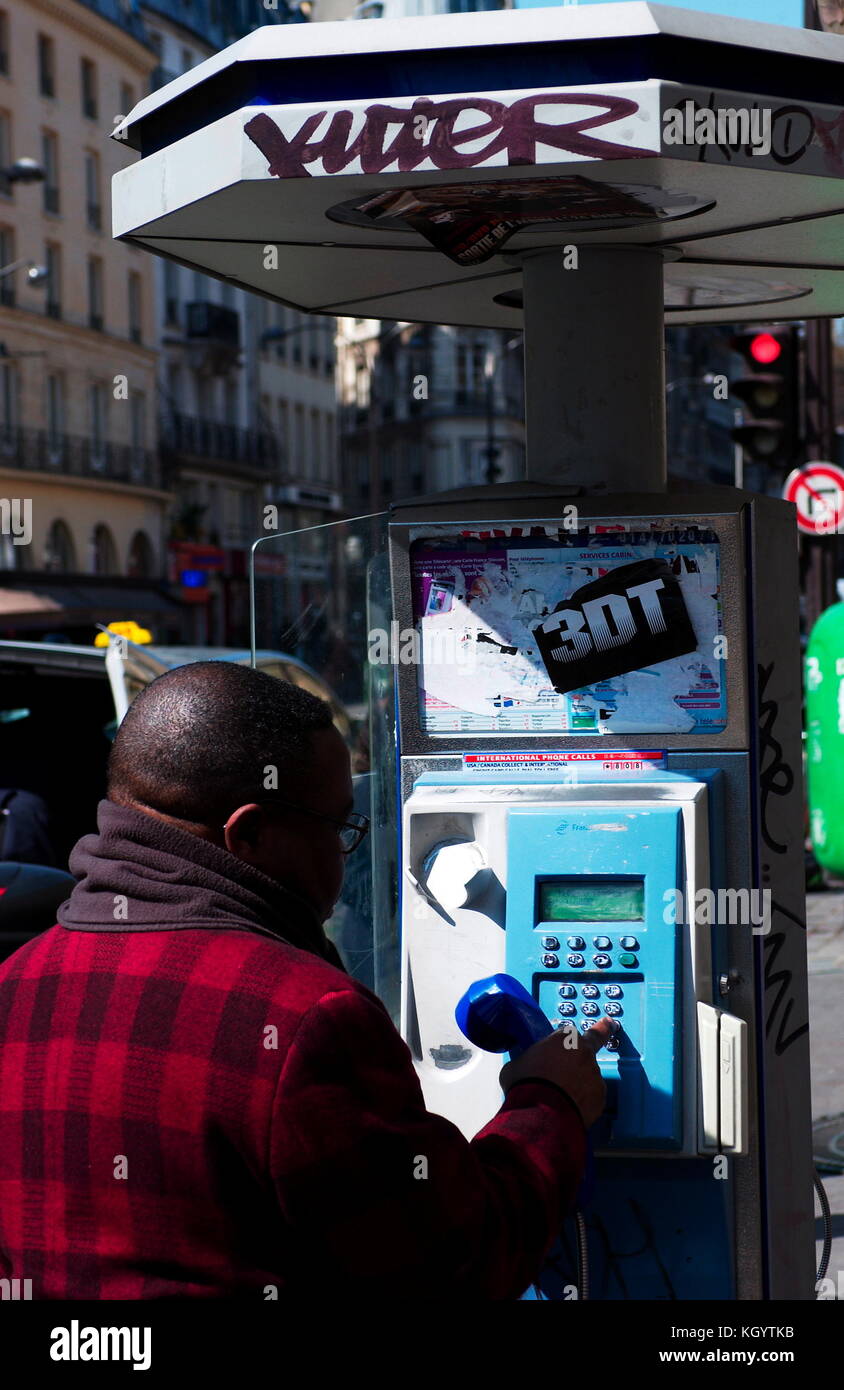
208, 322
48, 451
188, 436
400, 410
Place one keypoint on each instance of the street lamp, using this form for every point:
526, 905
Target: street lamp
35, 274
25, 170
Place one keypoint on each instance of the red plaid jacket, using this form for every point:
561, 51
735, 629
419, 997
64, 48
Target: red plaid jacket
192, 1106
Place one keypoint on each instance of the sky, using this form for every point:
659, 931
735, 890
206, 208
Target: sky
772, 11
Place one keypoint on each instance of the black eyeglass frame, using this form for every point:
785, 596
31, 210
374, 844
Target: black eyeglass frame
357, 822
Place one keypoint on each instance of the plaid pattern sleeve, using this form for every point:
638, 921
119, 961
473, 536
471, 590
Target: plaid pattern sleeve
384, 1196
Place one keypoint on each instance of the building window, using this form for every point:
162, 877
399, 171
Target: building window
171, 292
138, 427
230, 403
7, 255
187, 60
177, 388
141, 557
92, 191
61, 552
127, 98
88, 73
299, 439
4, 42
55, 418
284, 434
8, 403
53, 264
103, 551
97, 424
50, 160
316, 445
95, 293
46, 66
7, 188
135, 312
329, 447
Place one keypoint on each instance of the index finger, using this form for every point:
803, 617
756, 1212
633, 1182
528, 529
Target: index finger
600, 1033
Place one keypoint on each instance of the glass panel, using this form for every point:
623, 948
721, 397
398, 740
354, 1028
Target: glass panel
319, 590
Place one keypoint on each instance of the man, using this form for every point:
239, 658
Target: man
196, 1100
831, 16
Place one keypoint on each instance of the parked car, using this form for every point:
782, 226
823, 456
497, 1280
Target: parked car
60, 706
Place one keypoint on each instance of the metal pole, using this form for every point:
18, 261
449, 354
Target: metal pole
595, 368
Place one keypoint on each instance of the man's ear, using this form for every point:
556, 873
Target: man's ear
242, 829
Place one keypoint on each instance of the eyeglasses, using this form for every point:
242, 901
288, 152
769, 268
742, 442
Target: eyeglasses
351, 831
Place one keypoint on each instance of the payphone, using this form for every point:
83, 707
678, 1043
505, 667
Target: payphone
597, 767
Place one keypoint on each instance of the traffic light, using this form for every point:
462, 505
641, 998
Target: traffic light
769, 432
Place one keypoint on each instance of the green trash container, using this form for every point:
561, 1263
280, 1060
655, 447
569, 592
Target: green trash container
824, 674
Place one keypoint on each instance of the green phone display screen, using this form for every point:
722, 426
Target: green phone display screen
592, 900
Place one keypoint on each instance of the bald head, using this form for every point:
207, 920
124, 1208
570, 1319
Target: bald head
196, 743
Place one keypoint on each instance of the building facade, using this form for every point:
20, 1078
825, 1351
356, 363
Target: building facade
219, 419
77, 337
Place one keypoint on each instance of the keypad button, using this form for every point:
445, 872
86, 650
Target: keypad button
550, 962
603, 943
628, 960
576, 943
613, 991
590, 1010
575, 960
566, 1010
567, 991
602, 961
629, 943
550, 943
590, 991
614, 1010
612, 1045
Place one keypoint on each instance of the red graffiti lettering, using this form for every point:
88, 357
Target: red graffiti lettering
426, 132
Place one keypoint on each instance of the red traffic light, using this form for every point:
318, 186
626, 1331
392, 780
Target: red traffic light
765, 349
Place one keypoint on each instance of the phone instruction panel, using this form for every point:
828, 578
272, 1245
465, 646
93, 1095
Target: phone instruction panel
535, 629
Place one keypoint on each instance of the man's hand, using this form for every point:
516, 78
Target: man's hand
567, 1058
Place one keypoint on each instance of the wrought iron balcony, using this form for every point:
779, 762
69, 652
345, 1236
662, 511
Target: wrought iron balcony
186, 438
213, 323
77, 456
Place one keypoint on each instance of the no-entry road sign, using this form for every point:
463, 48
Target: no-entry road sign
817, 491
